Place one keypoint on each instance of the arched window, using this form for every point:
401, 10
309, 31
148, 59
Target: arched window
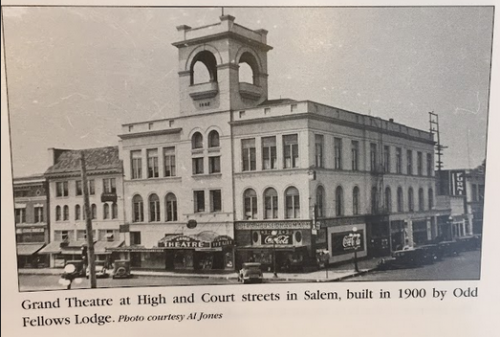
421, 199
400, 200
250, 204
58, 213
154, 208
339, 201
411, 202
355, 201
320, 202
105, 211
137, 209
213, 139
114, 211
66, 213
249, 69
93, 209
430, 198
292, 203
197, 141
388, 200
374, 197
203, 68
270, 204
171, 205
78, 212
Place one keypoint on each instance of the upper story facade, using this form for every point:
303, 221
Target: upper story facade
105, 187
31, 209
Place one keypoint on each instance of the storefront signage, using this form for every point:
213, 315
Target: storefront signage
458, 182
347, 242
222, 241
109, 197
273, 225
283, 237
30, 230
184, 242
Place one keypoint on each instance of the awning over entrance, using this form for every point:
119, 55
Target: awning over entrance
101, 247
52, 248
28, 249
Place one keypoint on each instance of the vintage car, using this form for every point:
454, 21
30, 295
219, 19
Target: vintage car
77, 271
100, 270
121, 269
450, 248
430, 253
250, 272
402, 259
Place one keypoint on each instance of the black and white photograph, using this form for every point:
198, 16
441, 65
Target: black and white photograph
186, 146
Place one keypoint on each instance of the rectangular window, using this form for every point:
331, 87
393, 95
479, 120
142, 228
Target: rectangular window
198, 165
214, 164
387, 159
199, 201
399, 160
271, 205
318, 150
62, 235
135, 238
152, 163
355, 155
291, 151
38, 214
62, 189
248, 154
215, 201
337, 153
169, 161
420, 163
91, 184
409, 162
474, 192
429, 164
78, 187
269, 157
20, 215
373, 157
109, 185
136, 164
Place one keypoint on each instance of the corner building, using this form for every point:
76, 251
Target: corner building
235, 176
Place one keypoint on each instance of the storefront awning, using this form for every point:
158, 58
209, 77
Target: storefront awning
101, 247
52, 248
135, 249
64, 247
28, 249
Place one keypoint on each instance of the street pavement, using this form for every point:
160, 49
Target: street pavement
466, 266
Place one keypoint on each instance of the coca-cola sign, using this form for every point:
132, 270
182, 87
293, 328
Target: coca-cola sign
347, 242
280, 237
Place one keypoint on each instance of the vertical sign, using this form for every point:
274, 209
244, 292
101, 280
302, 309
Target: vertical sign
458, 183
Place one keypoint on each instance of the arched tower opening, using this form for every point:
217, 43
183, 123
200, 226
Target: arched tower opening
203, 68
248, 69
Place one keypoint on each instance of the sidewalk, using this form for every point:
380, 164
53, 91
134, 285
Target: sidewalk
334, 273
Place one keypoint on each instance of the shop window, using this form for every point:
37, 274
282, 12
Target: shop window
270, 204
171, 206
154, 208
292, 203
137, 209
250, 204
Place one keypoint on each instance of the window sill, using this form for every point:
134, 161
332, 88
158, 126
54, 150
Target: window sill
205, 175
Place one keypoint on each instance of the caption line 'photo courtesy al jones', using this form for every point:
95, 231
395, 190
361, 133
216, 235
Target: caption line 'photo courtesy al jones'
203, 146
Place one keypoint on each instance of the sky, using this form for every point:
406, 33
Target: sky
74, 75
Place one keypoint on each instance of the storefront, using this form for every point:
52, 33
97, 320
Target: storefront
284, 245
27, 256
202, 251
378, 235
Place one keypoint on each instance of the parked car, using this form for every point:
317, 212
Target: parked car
401, 259
430, 253
100, 270
450, 248
121, 269
77, 271
250, 272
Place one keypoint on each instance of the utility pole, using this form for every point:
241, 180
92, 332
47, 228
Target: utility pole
434, 129
88, 224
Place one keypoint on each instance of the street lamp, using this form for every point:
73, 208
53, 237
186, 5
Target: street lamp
354, 236
274, 235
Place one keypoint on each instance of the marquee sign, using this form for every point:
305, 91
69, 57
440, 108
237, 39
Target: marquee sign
221, 241
183, 241
458, 183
